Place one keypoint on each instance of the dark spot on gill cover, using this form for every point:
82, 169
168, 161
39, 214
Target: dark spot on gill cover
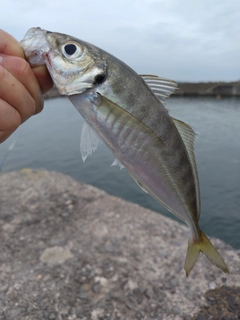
100, 78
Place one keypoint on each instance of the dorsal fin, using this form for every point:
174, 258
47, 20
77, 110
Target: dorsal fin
188, 136
161, 87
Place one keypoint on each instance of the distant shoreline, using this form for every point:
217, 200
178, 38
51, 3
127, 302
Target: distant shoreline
217, 89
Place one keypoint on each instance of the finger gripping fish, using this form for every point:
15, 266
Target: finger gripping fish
127, 112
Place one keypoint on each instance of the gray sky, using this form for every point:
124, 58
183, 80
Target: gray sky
184, 40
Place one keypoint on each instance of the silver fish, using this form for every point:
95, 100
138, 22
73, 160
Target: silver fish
127, 112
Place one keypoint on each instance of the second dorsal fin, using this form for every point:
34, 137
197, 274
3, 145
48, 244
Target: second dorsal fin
161, 87
188, 137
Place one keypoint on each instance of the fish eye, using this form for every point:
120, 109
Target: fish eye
71, 50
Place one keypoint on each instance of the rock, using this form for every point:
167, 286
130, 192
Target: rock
14, 313
212, 285
55, 255
71, 251
176, 310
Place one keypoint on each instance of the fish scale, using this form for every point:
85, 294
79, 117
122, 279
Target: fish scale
127, 112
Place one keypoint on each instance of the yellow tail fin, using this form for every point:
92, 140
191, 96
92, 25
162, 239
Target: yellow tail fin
204, 246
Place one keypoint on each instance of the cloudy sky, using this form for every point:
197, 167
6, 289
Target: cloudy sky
184, 40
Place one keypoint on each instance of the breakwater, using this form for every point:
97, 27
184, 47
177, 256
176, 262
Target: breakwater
218, 89
71, 251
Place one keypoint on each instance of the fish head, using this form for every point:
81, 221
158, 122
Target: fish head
74, 65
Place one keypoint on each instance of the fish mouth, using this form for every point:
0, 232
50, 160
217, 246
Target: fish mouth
58, 76
46, 58
55, 74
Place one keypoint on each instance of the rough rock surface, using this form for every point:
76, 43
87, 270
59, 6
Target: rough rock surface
69, 251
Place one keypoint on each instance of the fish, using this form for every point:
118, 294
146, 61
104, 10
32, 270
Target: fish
127, 112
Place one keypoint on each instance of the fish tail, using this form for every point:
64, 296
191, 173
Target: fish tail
204, 246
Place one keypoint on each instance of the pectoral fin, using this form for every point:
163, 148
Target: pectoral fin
89, 141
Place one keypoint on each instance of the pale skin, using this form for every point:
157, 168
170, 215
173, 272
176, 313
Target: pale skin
21, 87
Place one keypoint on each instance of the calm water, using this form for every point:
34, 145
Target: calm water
51, 141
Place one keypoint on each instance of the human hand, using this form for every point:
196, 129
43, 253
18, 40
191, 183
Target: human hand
21, 87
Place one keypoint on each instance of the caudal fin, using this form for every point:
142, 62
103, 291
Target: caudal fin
204, 246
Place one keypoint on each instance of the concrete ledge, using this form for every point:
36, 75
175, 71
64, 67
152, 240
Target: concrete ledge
70, 251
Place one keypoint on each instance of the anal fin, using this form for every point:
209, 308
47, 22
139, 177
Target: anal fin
116, 162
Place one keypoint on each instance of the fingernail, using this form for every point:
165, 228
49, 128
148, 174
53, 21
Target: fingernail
1, 58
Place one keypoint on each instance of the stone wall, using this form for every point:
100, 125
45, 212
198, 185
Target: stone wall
70, 251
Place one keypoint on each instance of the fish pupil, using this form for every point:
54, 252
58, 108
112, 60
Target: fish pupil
70, 49
100, 78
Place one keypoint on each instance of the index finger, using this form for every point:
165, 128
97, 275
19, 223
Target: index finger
9, 45
44, 80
